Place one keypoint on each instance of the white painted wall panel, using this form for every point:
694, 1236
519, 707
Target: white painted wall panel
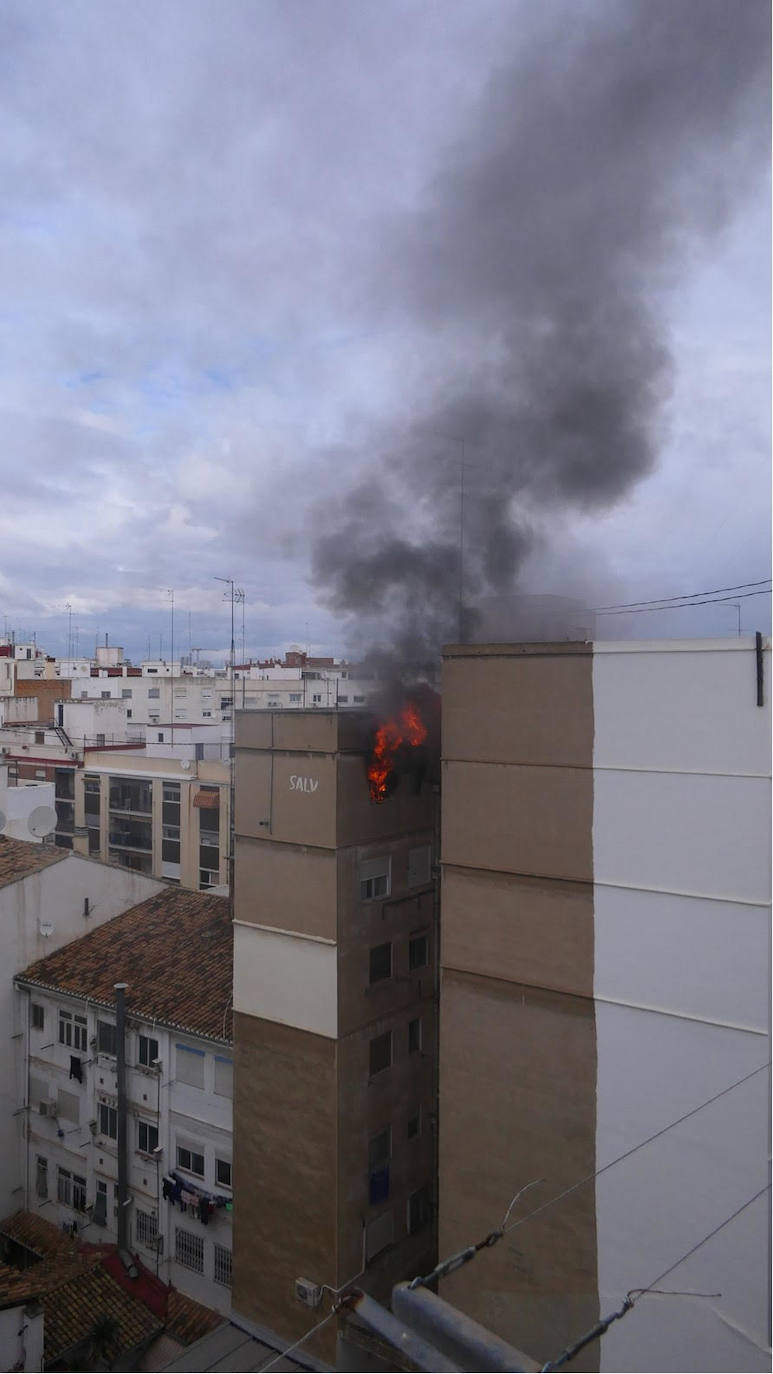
704, 835
701, 958
286, 978
681, 707
653, 1206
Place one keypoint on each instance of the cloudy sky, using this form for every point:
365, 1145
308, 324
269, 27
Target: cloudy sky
273, 270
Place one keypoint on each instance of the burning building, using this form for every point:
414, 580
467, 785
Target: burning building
334, 1008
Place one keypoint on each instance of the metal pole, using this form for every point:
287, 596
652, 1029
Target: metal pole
123, 1158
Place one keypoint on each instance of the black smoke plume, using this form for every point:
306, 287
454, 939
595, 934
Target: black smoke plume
604, 152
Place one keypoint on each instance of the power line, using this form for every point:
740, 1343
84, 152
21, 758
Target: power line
634, 1294
284, 1353
682, 596
685, 605
463, 1257
627, 1154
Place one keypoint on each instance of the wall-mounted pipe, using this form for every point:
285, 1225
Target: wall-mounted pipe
760, 666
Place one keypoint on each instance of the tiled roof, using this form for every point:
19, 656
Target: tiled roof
187, 1320
74, 1289
20, 858
174, 950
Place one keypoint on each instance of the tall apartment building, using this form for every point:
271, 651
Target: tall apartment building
334, 1017
605, 957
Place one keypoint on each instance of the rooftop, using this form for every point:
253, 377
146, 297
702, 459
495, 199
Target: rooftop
175, 951
21, 858
73, 1286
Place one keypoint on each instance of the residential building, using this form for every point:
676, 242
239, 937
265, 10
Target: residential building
175, 952
48, 897
604, 995
162, 810
27, 810
334, 1017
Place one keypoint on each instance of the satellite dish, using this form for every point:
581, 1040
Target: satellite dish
186, 763
42, 820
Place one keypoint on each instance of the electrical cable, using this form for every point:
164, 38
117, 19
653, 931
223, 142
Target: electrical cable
284, 1353
462, 1257
627, 1154
685, 605
634, 1294
681, 596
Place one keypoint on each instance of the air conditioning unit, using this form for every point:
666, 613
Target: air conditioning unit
310, 1294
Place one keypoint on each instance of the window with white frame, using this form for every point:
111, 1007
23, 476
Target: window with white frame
147, 1050
191, 1160
41, 1176
108, 1121
64, 1186
73, 1030
78, 1193
224, 1076
375, 878
189, 1250
147, 1137
223, 1265
146, 1229
189, 1066
223, 1173
107, 1042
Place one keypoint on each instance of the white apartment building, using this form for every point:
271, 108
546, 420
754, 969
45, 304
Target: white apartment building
175, 952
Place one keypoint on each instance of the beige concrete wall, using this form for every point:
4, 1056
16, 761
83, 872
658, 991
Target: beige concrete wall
359, 820
528, 930
286, 796
285, 1173
517, 1103
288, 887
512, 819
519, 704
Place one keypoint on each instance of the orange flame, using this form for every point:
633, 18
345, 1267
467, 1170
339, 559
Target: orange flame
406, 728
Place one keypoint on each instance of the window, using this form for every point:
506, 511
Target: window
316, 698
105, 696
224, 1076
147, 1137
40, 736
100, 740
99, 1213
380, 1053
78, 1193
189, 1250
40, 772
380, 963
419, 866
154, 693
414, 1126
342, 701
190, 1160
414, 1035
38, 1016
358, 700
295, 698
64, 1186
146, 1229
419, 1210
223, 1172
375, 875
222, 1273
129, 714
190, 1066
147, 1050
107, 1042
418, 949
160, 737
73, 1030
379, 1154
108, 1121
41, 1176
126, 692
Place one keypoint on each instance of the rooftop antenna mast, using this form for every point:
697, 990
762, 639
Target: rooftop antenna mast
68, 608
232, 595
170, 593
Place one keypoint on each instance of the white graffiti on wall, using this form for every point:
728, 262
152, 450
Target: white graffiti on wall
303, 784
